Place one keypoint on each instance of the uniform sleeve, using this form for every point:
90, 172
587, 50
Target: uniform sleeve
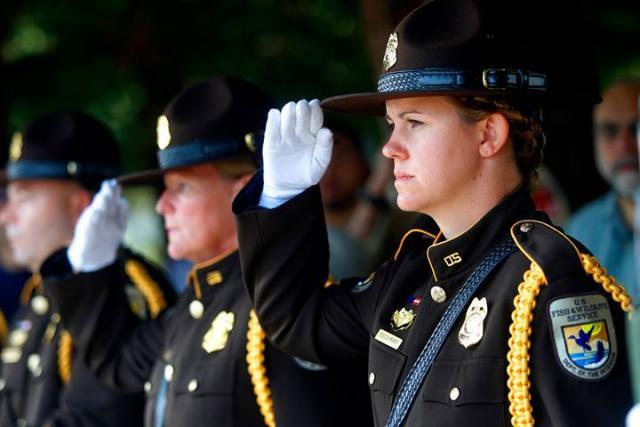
284, 256
569, 389
112, 341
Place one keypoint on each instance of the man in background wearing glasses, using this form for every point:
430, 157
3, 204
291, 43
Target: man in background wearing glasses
605, 225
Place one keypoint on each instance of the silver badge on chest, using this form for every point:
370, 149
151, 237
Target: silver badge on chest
472, 329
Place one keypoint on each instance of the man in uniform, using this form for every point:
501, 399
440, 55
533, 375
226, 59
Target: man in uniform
56, 165
493, 317
207, 362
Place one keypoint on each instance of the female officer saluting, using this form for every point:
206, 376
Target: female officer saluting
493, 316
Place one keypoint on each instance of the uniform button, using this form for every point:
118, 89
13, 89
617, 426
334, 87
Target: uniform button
454, 394
40, 304
438, 294
196, 309
147, 387
3, 384
193, 385
525, 227
168, 372
372, 378
33, 363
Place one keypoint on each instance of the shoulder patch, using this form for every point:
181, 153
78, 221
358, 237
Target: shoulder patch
583, 335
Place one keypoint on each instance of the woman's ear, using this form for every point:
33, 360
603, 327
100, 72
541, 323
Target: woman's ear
496, 135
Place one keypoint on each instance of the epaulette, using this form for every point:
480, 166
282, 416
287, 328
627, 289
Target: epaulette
547, 248
4, 329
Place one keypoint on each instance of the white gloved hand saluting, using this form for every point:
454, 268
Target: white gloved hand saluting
99, 230
296, 151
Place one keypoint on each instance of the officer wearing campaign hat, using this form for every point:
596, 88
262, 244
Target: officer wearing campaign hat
208, 359
487, 314
64, 145
55, 165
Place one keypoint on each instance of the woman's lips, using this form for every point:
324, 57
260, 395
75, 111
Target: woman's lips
401, 176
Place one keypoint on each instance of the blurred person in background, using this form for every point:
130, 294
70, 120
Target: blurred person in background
606, 224
55, 166
207, 362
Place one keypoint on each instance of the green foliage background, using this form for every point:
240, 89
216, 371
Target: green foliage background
124, 60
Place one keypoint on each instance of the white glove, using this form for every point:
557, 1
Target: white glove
99, 230
296, 151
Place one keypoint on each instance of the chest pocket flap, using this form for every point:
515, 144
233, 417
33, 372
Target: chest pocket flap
385, 366
463, 382
202, 378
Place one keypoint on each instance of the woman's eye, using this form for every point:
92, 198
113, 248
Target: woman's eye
414, 123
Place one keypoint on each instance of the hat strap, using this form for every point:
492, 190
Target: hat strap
34, 169
199, 150
443, 80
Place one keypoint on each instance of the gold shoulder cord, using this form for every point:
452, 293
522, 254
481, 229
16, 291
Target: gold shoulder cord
257, 370
4, 328
65, 356
520, 330
147, 287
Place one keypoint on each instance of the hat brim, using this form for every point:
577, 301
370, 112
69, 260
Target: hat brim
373, 103
146, 177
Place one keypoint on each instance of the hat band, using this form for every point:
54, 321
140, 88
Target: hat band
35, 169
442, 80
200, 150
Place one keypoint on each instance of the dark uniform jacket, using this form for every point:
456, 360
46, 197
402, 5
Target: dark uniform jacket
43, 381
391, 315
192, 362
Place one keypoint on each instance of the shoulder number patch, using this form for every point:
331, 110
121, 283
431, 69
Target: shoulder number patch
583, 335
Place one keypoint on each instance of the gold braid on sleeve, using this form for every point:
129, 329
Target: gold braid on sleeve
520, 331
65, 356
257, 370
147, 286
4, 329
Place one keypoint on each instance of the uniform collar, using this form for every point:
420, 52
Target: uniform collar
213, 272
464, 251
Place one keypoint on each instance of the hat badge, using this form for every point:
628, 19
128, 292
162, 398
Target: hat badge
390, 56
163, 133
15, 149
